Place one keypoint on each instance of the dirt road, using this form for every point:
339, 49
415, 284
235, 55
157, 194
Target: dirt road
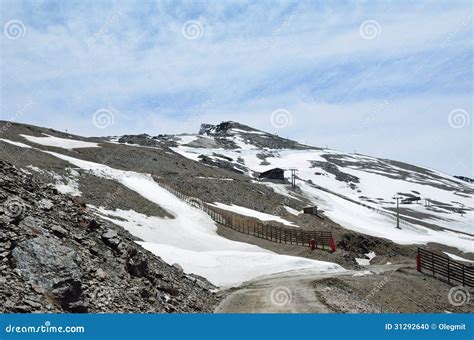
290, 292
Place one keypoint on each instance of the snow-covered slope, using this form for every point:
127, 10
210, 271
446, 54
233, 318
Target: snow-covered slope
354, 190
189, 238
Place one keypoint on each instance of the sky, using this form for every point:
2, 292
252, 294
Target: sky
386, 79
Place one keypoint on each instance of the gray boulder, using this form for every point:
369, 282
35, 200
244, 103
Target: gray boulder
50, 265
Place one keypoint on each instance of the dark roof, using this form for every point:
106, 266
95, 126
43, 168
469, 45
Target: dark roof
271, 171
274, 169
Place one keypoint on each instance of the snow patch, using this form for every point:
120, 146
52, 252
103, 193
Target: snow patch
292, 211
60, 142
64, 184
366, 262
67, 184
22, 145
458, 258
217, 179
363, 273
34, 168
248, 132
252, 213
187, 139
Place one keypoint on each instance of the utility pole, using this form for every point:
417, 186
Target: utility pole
293, 177
398, 211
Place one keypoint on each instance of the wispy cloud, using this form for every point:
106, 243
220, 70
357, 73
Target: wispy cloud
378, 77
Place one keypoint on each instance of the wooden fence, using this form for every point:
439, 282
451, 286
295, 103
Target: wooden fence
445, 268
266, 231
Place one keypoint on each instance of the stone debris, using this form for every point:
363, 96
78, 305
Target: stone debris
55, 256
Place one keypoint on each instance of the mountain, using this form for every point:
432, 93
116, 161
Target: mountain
357, 191
123, 182
125, 185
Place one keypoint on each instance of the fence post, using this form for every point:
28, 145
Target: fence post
418, 261
463, 276
432, 263
449, 276
332, 244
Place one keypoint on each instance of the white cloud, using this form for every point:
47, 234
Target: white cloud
252, 58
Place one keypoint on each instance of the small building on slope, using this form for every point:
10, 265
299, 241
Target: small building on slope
274, 175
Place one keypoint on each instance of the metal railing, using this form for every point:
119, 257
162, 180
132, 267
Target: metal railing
259, 229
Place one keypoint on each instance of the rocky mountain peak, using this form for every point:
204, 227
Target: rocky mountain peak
223, 128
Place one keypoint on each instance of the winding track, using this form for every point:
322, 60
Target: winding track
288, 292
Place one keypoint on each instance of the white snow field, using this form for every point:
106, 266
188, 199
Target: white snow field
252, 213
60, 142
22, 145
379, 182
361, 219
190, 239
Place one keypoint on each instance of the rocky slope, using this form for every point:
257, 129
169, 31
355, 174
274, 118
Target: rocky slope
55, 256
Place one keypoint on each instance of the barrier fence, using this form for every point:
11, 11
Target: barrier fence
445, 268
278, 234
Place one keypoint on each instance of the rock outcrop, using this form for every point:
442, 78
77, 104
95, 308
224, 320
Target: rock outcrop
55, 256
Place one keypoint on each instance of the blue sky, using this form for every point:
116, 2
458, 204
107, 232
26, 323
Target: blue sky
388, 79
